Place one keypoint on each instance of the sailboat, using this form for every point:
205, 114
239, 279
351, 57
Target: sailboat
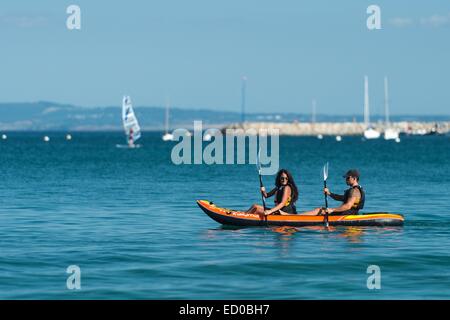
130, 124
389, 133
369, 132
167, 136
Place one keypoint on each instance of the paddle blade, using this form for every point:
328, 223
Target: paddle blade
325, 171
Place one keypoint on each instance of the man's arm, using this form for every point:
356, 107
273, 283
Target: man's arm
334, 196
346, 206
337, 197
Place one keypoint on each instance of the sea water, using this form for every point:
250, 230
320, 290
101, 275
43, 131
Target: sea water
128, 219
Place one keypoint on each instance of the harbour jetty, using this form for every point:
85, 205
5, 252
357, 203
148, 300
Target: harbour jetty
343, 128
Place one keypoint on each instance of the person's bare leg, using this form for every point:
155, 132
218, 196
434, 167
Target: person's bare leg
255, 209
314, 212
259, 209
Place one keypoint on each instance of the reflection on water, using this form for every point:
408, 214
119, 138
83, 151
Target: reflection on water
285, 231
350, 233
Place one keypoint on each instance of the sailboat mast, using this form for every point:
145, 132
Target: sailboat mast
386, 100
243, 88
167, 116
366, 102
313, 117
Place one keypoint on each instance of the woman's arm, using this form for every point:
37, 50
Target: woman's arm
271, 193
286, 194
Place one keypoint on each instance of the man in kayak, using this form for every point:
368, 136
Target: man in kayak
353, 199
286, 194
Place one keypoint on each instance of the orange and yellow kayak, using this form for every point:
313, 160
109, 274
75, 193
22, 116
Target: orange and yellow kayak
239, 218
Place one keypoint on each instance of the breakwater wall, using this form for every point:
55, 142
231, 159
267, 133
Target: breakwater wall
342, 128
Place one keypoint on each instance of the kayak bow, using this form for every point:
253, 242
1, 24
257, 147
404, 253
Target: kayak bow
239, 218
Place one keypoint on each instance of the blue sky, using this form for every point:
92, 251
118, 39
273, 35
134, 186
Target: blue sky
195, 52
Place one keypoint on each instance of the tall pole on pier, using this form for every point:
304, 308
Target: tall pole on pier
243, 88
386, 100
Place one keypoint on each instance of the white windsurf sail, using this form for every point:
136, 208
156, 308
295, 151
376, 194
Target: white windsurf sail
130, 123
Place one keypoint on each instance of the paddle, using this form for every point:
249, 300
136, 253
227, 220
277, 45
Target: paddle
258, 166
325, 177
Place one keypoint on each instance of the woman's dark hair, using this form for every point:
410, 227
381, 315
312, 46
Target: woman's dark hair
291, 183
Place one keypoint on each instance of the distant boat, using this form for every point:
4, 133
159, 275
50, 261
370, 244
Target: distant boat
319, 136
209, 134
4, 137
389, 133
46, 139
167, 136
68, 137
434, 131
130, 123
419, 132
338, 138
369, 132
207, 137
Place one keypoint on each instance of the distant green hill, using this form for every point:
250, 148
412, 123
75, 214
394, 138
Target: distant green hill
45, 115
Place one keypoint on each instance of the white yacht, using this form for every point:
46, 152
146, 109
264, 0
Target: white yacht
389, 132
369, 132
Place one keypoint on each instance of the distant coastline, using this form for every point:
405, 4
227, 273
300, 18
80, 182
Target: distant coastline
51, 116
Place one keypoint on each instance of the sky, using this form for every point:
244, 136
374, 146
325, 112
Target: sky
195, 53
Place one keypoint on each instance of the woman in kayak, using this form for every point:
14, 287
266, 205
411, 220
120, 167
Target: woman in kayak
286, 194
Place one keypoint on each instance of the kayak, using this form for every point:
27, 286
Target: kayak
239, 218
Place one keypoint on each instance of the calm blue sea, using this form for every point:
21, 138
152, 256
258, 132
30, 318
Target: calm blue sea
129, 220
